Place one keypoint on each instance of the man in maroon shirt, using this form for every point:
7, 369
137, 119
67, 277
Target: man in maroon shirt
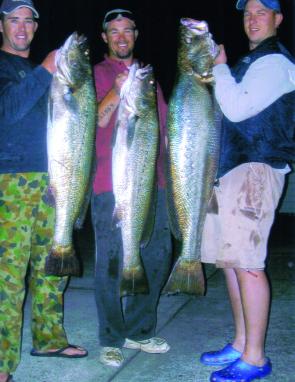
129, 322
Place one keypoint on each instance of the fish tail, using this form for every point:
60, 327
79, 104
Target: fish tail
62, 261
134, 281
186, 277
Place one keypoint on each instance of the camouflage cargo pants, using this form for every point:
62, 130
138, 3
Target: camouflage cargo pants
26, 229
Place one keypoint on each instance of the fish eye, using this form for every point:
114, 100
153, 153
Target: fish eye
74, 63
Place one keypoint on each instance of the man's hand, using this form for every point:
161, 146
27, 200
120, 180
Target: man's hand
119, 81
49, 62
221, 58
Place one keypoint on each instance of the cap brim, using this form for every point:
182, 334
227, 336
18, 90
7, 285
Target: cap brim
35, 13
241, 4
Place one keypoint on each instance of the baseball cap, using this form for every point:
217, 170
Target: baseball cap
9, 6
116, 14
271, 4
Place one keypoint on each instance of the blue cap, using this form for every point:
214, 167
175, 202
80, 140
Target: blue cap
271, 4
9, 6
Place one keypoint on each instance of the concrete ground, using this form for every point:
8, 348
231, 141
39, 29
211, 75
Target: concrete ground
190, 325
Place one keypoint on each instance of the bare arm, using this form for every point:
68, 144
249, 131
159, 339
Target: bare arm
110, 102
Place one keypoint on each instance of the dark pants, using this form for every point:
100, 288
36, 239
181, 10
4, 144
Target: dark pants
133, 317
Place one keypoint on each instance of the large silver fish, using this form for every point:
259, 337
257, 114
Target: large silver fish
135, 147
70, 143
193, 150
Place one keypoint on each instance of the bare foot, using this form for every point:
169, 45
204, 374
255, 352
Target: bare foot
69, 351
72, 350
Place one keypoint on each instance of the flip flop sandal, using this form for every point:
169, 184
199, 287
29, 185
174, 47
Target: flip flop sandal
241, 371
60, 352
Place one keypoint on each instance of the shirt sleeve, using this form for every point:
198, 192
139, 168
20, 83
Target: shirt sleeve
266, 80
17, 98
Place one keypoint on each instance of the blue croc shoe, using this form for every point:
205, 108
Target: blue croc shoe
221, 357
240, 371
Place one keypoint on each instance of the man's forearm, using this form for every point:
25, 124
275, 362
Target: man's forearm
107, 107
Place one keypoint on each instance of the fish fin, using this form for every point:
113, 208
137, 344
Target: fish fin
131, 129
150, 221
170, 200
212, 207
114, 133
87, 197
62, 261
70, 101
134, 281
187, 277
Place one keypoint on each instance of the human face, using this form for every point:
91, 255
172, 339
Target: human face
18, 29
260, 22
120, 37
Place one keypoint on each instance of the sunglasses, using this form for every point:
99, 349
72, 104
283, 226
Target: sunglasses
112, 15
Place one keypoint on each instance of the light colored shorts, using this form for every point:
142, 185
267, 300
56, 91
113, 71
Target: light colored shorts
247, 198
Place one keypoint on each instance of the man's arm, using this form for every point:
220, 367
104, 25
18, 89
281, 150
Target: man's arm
266, 80
110, 102
20, 91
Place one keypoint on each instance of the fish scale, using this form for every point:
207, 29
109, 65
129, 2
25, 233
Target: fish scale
71, 127
193, 152
134, 153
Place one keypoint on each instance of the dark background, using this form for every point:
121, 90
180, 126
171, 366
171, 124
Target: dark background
157, 22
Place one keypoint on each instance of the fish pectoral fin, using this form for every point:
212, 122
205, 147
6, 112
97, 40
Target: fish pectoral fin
212, 207
71, 101
150, 220
147, 233
131, 129
115, 133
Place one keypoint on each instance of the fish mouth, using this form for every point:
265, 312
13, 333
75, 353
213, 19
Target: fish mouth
143, 72
71, 42
65, 57
200, 28
74, 37
197, 27
135, 72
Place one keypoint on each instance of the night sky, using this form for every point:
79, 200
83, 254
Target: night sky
157, 22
